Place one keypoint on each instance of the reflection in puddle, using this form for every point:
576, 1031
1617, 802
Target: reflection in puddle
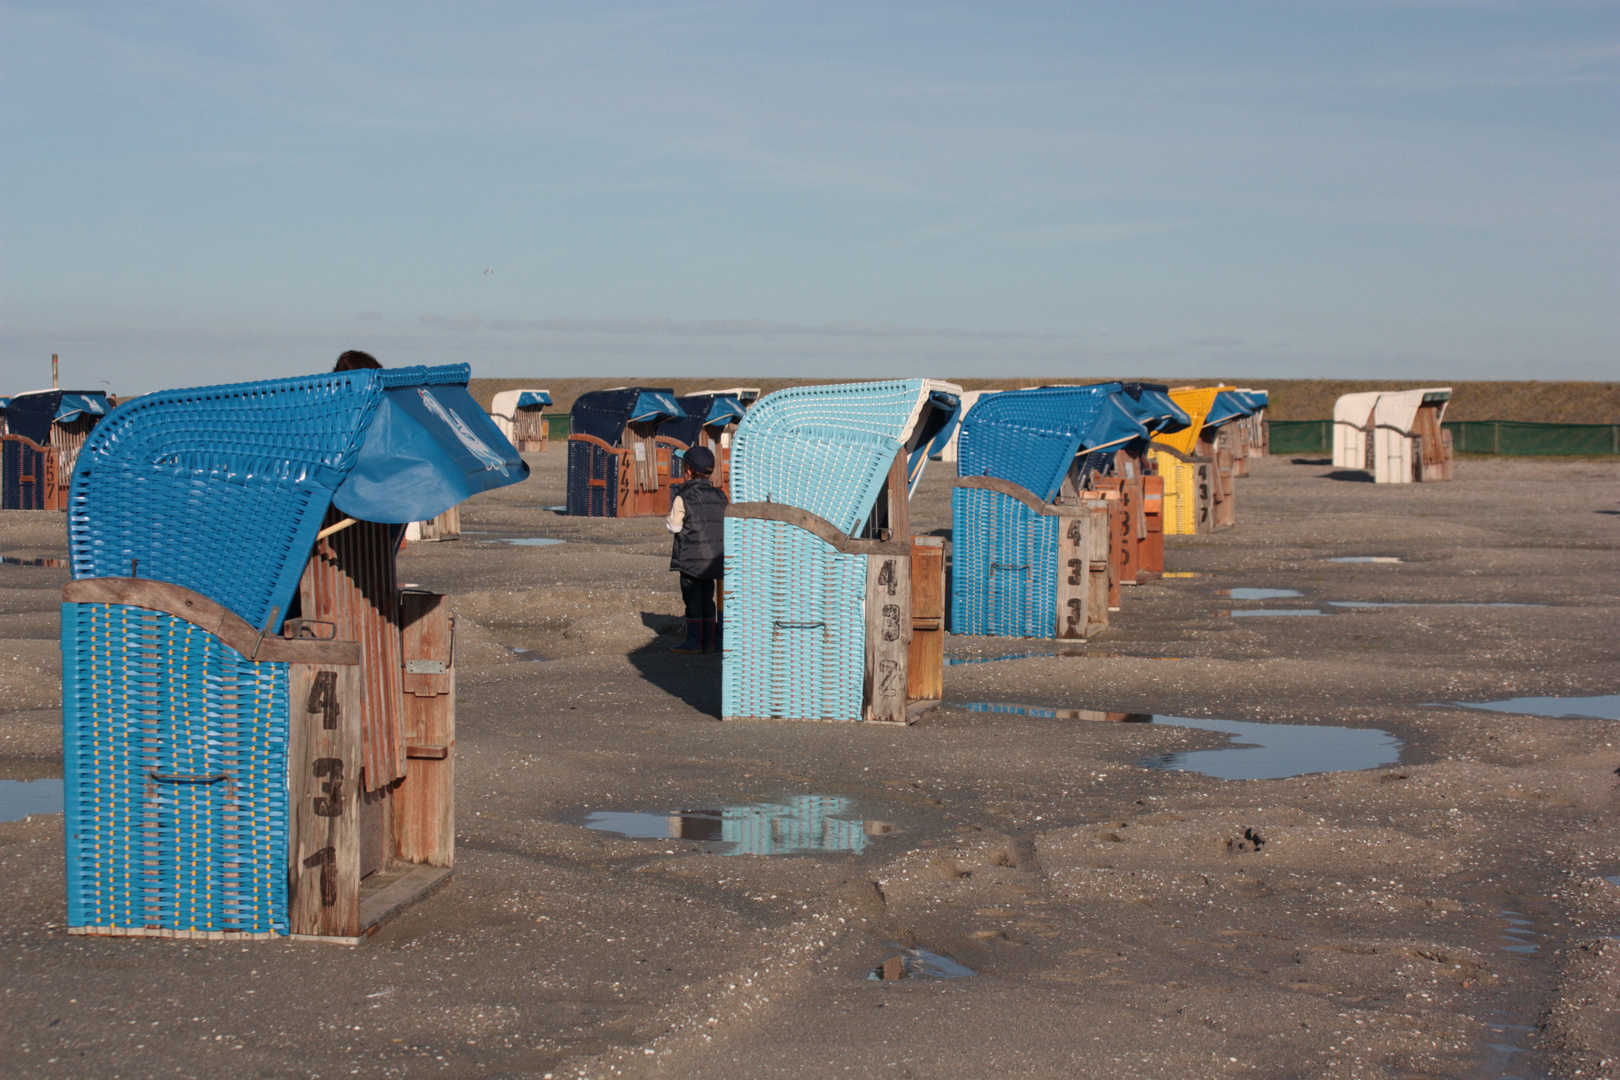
529, 655
1272, 611
1181, 573
1277, 751
18, 560
1613, 879
1600, 707
909, 963
20, 798
1066, 654
1424, 603
803, 823
1059, 714
1364, 558
1257, 594
563, 509
526, 541
1518, 933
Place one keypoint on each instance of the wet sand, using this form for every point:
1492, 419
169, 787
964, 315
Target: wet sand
1449, 914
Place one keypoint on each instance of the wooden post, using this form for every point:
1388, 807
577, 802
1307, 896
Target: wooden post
1153, 521
888, 637
1098, 566
925, 672
324, 786
1224, 507
1074, 576
424, 816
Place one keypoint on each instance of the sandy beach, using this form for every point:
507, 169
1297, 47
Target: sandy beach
1445, 904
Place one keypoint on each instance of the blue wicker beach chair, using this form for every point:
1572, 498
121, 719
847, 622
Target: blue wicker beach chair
820, 619
1023, 533
40, 441
708, 417
617, 464
235, 652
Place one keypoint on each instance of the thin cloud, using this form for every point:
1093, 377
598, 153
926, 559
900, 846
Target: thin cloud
452, 322
659, 324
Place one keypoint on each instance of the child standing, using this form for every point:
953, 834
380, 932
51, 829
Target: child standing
697, 515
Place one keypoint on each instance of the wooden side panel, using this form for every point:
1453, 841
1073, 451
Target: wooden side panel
1224, 508
627, 484
1204, 496
925, 673
1074, 577
424, 817
1098, 584
888, 636
350, 583
323, 768
1153, 526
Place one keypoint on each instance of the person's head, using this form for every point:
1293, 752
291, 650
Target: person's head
355, 360
699, 461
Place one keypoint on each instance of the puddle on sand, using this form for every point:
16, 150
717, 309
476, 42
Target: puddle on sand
1066, 654
20, 798
1272, 611
529, 655
1601, 707
1277, 751
525, 541
1505, 1056
1058, 714
1257, 594
1426, 603
18, 560
909, 963
1365, 558
1519, 933
799, 825
1613, 879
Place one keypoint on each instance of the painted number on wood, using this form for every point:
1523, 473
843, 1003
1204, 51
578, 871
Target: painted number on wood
890, 681
886, 580
891, 622
326, 860
323, 699
330, 771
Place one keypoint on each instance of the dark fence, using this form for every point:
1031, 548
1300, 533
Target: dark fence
1301, 436
1468, 437
1516, 437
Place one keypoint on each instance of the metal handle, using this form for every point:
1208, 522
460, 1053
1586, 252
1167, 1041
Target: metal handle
780, 625
1009, 566
154, 777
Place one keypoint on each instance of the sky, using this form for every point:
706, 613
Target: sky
195, 193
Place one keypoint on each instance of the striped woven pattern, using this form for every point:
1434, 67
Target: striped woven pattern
825, 449
795, 644
1003, 566
1030, 437
1180, 493
219, 489
174, 748
587, 462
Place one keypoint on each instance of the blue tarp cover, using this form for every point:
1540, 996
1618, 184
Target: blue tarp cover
655, 405
725, 410
1030, 437
699, 411
936, 431
33, 414
531, 398
1229, 405
427, 449
604, 413
1151, 404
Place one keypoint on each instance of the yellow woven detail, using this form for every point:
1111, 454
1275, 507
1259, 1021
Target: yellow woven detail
1180, 493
